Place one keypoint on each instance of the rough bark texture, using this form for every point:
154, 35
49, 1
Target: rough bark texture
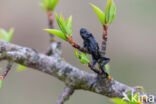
70, 75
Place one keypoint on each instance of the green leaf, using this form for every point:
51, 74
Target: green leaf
11, 32
43, 7
110, 11
21, 68
77, 54
1, 84
44, 4
58, 33
136, 96
61, 18
65, 26
129, 95
7, 36
99, 13
61, 24
107, 66
84, 58
53, 4
69, 25
118, 101
109, 2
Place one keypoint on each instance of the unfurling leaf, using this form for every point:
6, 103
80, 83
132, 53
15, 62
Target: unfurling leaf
61, 24
84, 59
58, 33
48, 4
99, 13
69, 25
53, 4
6, 36
110, 11
65, 26
21, 68
77, 54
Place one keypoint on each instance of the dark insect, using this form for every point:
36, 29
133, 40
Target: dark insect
91, 45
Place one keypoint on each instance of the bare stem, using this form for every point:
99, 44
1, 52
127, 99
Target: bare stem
51, 22
104, 42
75, 45
68, 91
55, 47
8, 68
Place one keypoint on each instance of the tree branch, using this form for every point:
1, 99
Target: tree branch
65, 72
68, 91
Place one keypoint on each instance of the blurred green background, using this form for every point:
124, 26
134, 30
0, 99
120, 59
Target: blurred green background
131, 47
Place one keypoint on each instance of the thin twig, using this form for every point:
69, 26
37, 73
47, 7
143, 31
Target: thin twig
75, 45
55, 47
50, 23
8, 68
104, 41
68, 91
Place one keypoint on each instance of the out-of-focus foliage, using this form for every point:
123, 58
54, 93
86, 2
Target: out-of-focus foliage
48, 4
21, 68
6, 36
84, 59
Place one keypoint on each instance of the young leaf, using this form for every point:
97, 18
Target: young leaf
61, 24
77, 54
107, 66
129, 95
84, 58
99, 13
65, 26
46, 2
7, 36
110, 11
61, 18
11, 32
1, 84
118, 101
69, 25
21, 68
109, 2
136, 96
53, 4
58, 33
43, 6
